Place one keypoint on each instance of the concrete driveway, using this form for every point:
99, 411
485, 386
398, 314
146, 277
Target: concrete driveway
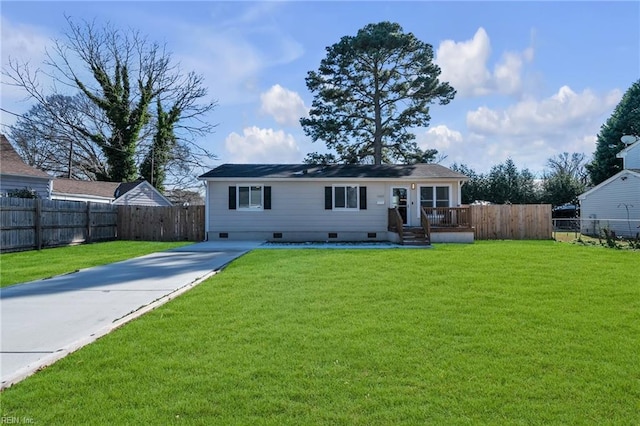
43, 321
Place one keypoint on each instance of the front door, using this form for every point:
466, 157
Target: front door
400, 199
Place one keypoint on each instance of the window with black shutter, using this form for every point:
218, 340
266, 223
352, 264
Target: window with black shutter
232, 198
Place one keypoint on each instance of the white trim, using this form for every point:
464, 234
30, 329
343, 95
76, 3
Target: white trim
250, 209
81, 197
345, 209
206, 211
626, 150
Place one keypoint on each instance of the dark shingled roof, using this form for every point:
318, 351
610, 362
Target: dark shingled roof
12, 164
302, 171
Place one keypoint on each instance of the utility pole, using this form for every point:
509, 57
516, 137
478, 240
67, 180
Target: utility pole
70, 162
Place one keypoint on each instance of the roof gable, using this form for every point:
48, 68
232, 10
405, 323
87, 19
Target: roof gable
630, 172
350, 171
623, 153
127, 191
12, 164
634, 159
125, 187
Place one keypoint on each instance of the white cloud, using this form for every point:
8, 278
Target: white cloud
558, 114
465, 66
284, 105
257, 145
439, 137
21, 44
531, 131
448, 142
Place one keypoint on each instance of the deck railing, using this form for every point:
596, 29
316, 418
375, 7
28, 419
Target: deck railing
447, 217
395, 222
424, 221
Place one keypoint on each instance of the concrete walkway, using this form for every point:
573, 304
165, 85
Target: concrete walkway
43, 321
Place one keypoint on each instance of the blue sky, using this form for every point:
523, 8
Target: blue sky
534, 79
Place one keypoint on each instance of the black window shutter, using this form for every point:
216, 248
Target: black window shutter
328, 198
363, 198
232, 198
267, 198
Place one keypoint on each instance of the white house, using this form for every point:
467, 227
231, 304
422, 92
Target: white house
615, 203
299, 202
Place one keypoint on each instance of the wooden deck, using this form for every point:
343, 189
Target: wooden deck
439, 220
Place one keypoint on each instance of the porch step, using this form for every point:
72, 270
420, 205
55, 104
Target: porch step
414, 236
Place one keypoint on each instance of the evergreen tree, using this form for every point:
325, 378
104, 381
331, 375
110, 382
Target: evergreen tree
370, 90
625, 120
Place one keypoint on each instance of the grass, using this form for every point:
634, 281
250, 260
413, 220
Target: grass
33, 265
489, 333
577, 238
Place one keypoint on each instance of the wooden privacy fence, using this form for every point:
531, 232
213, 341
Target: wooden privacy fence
175, 223
29, 224
512, 222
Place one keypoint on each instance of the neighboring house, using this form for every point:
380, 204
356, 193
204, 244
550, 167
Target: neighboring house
84, 190
615, 203
139, 193
324, 203
16, 174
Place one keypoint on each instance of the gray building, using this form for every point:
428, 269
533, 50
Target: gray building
615, 203
299, 202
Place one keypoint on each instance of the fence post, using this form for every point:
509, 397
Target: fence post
88, 239
38, 220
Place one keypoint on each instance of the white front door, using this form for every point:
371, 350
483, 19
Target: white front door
400, 199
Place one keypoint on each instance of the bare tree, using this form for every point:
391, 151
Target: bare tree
126, 81
47, 137
565, 179
573, 165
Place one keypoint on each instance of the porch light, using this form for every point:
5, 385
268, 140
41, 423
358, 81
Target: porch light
413, 186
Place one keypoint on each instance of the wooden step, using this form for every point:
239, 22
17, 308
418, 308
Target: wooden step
414, 236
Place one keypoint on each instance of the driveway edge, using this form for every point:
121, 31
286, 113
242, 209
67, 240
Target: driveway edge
42, 363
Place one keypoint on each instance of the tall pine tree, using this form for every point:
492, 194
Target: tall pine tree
370, 90
625, 120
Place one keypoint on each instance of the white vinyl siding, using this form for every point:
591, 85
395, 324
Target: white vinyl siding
299, 206
41, 186
142, 195
295, 206
632, 157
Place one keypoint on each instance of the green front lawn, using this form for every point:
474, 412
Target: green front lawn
33, 265
489, 333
